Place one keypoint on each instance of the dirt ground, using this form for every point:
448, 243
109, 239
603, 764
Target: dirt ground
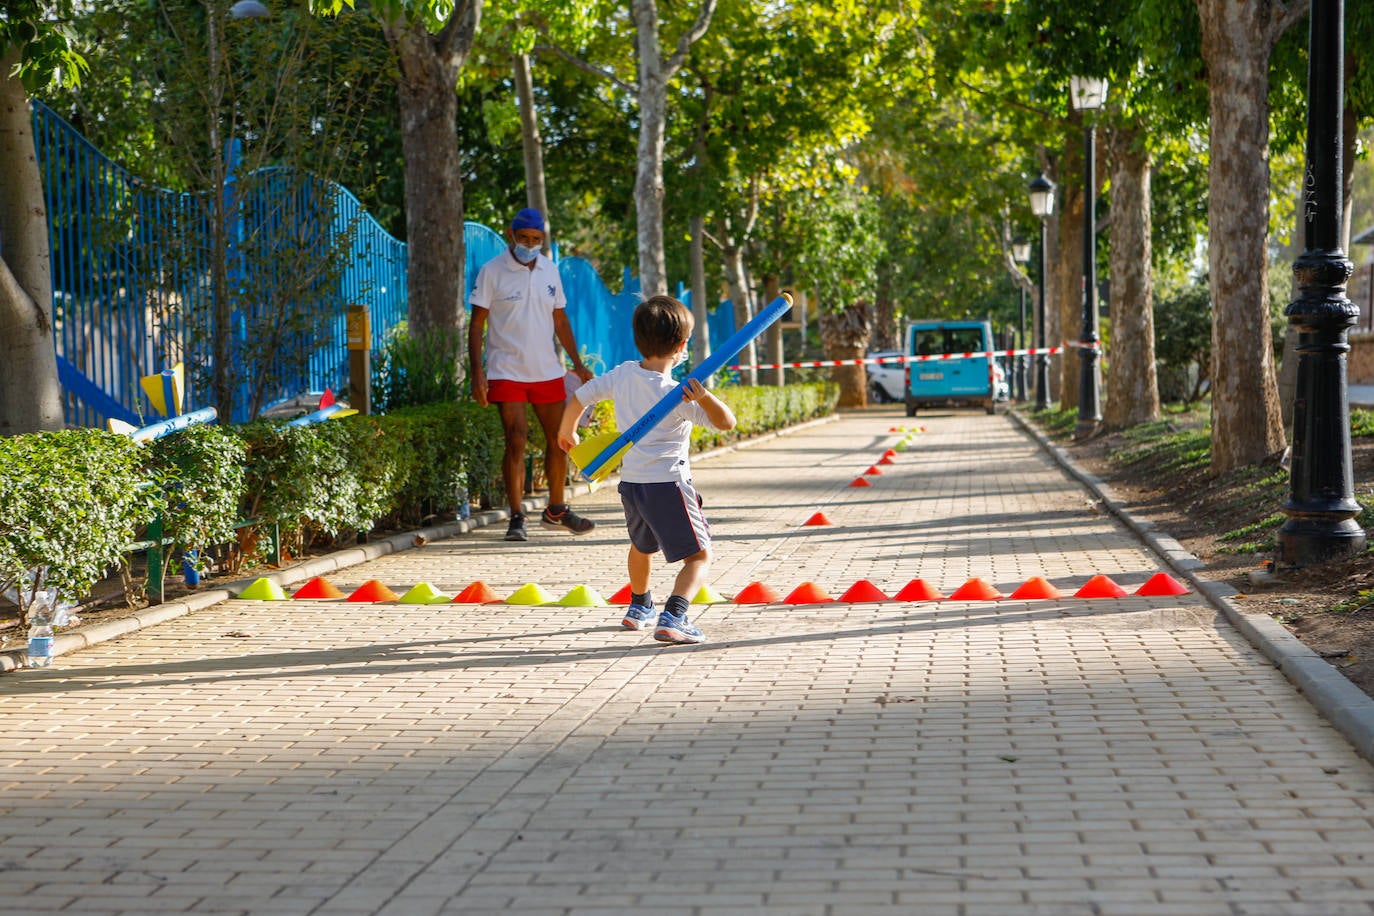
1193, 508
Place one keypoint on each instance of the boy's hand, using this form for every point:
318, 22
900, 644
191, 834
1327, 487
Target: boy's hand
694, 390
566, 441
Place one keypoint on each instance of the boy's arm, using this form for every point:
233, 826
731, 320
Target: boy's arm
716, 410
567, 429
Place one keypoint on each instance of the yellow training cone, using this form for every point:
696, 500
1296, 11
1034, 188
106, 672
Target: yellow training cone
582, 596
263, 589
709, 595
424, 593
530, 594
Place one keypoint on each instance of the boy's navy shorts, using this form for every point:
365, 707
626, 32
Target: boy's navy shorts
665, 516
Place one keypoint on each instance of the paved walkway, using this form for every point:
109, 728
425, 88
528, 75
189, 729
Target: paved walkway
1100, 756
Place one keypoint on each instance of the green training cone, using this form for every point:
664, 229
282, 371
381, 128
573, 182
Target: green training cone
582, 596
709, 595
530, 594
263, 589
424, 593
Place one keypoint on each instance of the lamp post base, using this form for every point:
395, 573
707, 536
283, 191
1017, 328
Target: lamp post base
1314, 541
1086, 429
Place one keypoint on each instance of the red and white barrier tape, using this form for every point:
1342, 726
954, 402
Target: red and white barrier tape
884, 360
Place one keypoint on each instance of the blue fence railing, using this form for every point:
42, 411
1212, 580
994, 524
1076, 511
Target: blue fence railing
133, 288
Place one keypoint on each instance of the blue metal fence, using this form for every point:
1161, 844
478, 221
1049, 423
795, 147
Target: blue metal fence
133, 292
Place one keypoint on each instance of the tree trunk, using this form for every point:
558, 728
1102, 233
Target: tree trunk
1132, 383
30, 395
733, 256
845, 336
1247, 426
886, 335
533, 146
776, 376
1067, 298
701, 308
433, 180
653, 112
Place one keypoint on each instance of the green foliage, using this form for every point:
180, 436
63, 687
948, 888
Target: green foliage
1183, 340
70, 504
198, 474
1361, 422
764, 408
457, 446
46, 51
414, 371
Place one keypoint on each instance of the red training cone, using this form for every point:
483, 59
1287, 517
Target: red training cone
860, 482
817, 518
1036, 588
1100, 587
807, 593
757, 593
1162, 584
862, 591
890, 453
919, 590
622, 596
873, 471
975, 589
476, 593
318, 588
372, 591
886, 460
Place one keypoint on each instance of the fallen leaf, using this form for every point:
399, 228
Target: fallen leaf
239, 634
1009, 758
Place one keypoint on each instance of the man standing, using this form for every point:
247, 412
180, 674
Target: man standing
519, 300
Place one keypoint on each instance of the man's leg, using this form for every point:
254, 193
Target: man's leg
517, 431
555, 459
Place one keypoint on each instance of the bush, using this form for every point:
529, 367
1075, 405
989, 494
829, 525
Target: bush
198, 477
70, 505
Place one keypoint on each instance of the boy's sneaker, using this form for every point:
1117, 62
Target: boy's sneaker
677, 629
637, 617
516, 530
567, 520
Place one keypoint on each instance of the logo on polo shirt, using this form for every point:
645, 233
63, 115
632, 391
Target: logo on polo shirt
550, 289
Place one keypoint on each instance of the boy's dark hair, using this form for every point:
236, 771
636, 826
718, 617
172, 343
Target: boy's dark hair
661, 324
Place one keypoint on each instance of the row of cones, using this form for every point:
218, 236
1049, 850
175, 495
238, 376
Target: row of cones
888, 457
531, 594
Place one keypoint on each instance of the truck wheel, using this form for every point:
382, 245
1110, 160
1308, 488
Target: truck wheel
911, 410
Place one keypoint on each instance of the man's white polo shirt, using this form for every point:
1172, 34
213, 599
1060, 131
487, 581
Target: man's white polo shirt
520, 303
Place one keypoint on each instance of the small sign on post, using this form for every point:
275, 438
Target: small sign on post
359, 329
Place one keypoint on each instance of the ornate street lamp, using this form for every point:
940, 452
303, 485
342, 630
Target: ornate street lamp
1321, 510
1042, 205
1088, 94
1020, 253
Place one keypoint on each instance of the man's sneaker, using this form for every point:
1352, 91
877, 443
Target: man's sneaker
516, 530
637, 617
677, 629
567, 520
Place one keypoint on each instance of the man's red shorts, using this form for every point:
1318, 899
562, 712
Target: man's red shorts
503, 389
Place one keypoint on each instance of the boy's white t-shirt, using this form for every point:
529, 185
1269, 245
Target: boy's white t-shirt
520, 303
661, 456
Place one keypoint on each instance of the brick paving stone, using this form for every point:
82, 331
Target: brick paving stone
1071, 756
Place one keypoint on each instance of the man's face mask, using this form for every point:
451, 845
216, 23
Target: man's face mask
523, 254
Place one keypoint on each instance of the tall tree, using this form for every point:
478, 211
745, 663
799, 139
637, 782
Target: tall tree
431, 41
34, 52
1237, 39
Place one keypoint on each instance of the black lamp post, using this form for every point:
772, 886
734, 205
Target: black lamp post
1020, 253
1042, 205
1321, 510
1089, 94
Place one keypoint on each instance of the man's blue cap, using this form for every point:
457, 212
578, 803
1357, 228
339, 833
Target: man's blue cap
528, 218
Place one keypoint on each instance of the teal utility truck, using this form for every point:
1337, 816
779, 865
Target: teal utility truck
966, 375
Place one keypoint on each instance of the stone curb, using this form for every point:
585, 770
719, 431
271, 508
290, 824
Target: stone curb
88, 635
1339, 701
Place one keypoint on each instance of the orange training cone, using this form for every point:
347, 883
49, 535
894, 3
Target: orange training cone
873, 471
372, 591
863, 591
890, 453
919, 590
1162, 584
1100, 587
757, 593
1036, 588
318, 587
817, 518
621, 597
975, 589
860, 482
476, 593
807, 593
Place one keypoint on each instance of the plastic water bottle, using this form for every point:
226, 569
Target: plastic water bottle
464, 501
40, 641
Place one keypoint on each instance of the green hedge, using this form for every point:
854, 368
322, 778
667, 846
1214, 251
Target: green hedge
74, 502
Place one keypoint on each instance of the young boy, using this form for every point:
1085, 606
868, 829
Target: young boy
662, 509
